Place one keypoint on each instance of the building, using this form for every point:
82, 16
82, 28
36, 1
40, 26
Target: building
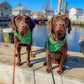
5, 9
36, 14
21, 11
75, 13
47, 13
80, 18
62, 12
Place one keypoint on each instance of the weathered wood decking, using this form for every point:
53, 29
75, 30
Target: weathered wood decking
73, 74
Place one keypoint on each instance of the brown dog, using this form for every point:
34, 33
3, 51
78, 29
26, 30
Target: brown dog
57, 27
22, 24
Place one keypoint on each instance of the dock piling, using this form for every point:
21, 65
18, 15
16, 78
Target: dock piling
34, 44
65, 8
59, 7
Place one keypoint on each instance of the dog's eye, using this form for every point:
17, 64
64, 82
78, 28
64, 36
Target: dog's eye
27, 21
66, 19
57, 17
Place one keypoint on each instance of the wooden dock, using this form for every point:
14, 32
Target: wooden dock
73, 73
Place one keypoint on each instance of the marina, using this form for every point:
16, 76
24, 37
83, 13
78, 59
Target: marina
41, 14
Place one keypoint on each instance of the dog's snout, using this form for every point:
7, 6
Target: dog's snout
23, 26
61, 24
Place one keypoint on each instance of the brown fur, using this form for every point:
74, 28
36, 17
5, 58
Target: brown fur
57, 26
22, 23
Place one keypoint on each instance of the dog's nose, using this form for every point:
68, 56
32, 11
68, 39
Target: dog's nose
61, 24
23, 26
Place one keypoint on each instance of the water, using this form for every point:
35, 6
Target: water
40, 34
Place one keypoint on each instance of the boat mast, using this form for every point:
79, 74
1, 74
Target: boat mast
51, 9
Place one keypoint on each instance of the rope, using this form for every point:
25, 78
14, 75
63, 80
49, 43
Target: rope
51, 69
14, 66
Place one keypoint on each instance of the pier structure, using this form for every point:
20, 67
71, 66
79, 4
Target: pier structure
72, 74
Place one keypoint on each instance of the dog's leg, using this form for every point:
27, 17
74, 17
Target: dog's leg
48, 62
31, 54
59, 71
18, 55
28, 56
61, 64
65, 60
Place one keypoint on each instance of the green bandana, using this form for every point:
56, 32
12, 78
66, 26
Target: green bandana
26, 38
52, 46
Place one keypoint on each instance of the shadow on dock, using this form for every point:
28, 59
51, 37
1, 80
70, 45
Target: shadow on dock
43, 59
74, 62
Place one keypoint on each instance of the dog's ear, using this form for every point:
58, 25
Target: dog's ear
69, 27
12, 24
50, 25
32, 25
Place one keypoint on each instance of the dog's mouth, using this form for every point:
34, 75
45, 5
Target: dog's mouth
22, 34
60, 35
61, 31
22, 31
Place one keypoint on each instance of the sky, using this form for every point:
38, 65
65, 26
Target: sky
36, 5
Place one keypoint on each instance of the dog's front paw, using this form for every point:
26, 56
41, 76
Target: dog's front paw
29, 64
18, 63
59, 71
48, 70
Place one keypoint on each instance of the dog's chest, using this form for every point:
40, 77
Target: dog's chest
61, 52
56, 55
18, 42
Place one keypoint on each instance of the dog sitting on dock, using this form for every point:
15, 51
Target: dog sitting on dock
22, 26
56, 45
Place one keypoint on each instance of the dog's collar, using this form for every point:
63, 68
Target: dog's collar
26, 38
53, 46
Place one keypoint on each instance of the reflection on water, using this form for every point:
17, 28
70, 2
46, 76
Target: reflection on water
40, 34
73, 38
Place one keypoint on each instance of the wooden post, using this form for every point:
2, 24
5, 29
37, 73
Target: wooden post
59, 7
65, 7
35, 44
